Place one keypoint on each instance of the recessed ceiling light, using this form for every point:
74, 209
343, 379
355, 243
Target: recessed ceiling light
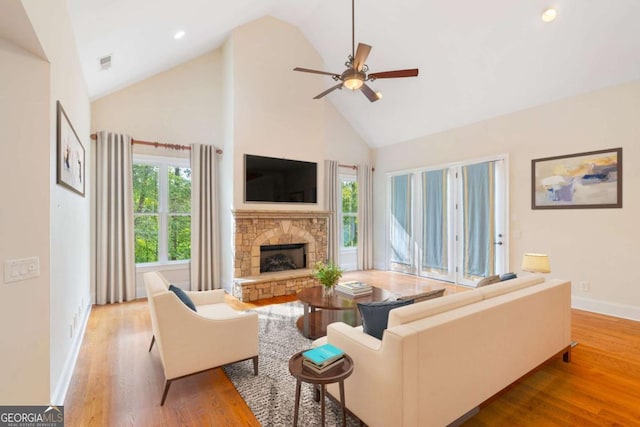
549, 14
179, 35
379, 95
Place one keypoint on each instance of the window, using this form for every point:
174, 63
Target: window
349, 212
162, 210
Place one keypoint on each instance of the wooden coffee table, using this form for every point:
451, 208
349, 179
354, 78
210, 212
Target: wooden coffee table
337, 374
337, 308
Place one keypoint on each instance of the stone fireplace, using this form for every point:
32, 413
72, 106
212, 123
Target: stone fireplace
299, 238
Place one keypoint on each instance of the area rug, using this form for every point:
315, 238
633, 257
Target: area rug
271, 394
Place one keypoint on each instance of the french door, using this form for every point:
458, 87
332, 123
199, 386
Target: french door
449, 223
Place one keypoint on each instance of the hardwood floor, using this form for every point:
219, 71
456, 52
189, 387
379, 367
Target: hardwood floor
118, 383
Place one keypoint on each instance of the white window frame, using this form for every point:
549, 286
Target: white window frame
163, 163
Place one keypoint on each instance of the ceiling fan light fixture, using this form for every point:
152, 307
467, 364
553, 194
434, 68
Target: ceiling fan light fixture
353, 80
353, 83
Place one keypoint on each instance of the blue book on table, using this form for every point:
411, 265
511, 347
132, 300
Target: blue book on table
323, 355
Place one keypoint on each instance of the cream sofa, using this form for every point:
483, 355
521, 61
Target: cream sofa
440, 359
194, 341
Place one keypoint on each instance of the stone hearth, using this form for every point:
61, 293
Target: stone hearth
255, 228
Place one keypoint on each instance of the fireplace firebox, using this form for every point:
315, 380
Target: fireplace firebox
282, 257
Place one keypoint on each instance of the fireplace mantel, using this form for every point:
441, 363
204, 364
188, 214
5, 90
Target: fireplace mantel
279, 214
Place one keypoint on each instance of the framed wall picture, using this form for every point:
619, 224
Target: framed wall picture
578, 181
70, 156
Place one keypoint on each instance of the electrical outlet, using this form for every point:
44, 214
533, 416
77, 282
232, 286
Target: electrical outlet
584, 286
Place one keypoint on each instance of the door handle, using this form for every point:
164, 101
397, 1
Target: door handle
497, 243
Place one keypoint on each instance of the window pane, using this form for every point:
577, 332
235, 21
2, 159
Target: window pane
145, 188
349, 196
349, 231
146, 230
179, 239
179, 189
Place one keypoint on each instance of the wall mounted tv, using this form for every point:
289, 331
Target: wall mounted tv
272, 180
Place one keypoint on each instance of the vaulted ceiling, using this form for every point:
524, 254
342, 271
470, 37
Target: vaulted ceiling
477, 59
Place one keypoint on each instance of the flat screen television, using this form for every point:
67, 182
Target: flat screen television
272, 180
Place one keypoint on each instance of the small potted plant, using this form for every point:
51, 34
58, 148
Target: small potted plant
328, 275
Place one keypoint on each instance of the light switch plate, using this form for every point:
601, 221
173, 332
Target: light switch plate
16, 270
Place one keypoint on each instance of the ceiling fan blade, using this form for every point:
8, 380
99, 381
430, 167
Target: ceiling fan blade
306, 70
361, 56
369, 93
331, 89
393, 74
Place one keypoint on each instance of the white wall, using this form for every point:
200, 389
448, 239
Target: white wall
24, 225
69, 212
598, 246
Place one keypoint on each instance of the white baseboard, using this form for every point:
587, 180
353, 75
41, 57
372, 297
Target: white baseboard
623, 311
60, 392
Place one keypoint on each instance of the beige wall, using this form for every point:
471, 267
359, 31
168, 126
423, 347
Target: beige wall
597, 246
274, 114
182, 105
24, 225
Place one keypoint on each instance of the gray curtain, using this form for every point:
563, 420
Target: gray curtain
115, 249
205, 254
479, 219
434, 220
365, 217
333, 198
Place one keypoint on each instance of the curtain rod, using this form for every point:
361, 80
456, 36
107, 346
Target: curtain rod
159, 144
354, 167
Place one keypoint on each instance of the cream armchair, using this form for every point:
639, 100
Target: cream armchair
190, 341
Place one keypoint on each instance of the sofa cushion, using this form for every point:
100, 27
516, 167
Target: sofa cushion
433, 306
375, 315
183, 297
489, 280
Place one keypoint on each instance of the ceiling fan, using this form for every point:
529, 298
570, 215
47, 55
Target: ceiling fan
355, 76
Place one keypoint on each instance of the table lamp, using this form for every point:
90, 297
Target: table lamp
536, 263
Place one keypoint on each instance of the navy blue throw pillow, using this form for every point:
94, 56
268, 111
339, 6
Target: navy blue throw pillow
508, 276
183, 297
375, 315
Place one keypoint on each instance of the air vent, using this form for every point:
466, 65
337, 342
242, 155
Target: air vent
105, 62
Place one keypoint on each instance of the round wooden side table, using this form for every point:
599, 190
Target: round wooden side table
336, 374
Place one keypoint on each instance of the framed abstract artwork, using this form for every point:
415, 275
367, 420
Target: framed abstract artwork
578, 181
70, 157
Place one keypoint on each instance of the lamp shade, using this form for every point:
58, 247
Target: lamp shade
536, 263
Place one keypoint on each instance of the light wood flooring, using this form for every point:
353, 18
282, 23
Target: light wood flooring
118, 383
